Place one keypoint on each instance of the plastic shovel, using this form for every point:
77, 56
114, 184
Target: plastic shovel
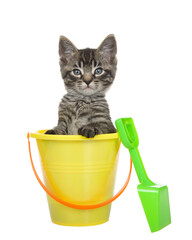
154, 198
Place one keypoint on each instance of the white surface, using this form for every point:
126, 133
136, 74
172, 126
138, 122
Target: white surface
153, 85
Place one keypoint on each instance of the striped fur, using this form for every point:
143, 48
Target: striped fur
87, 74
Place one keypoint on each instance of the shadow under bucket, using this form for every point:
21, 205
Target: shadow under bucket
80, 171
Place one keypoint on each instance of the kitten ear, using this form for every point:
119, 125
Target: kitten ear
67, 49
108, 48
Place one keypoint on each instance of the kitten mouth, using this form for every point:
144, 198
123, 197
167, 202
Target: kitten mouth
88, 87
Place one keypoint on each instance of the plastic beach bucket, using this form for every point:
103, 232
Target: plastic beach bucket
79, 172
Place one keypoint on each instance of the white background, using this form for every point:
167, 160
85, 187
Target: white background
153, 86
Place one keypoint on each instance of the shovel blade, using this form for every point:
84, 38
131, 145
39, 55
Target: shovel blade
155, 202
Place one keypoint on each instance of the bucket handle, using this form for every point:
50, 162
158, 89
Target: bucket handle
72, 205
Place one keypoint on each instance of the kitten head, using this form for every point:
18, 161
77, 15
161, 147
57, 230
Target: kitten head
88, 71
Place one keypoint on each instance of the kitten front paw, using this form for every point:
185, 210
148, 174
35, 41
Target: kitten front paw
50, 131
88, 131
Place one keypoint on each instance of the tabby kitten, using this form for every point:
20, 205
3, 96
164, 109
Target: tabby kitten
87, 74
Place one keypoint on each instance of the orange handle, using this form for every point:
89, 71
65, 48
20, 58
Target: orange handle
71, 204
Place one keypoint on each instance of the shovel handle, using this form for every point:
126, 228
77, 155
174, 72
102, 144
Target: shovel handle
72, 205
139, 167
127, 132
129, 137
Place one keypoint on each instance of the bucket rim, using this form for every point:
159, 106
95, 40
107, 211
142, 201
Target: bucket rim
40, 135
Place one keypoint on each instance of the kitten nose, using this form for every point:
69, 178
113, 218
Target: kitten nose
87, 79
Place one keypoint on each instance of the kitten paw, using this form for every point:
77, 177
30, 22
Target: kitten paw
88, 132
51, 131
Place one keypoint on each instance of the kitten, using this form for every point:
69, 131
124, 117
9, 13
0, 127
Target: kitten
87, 74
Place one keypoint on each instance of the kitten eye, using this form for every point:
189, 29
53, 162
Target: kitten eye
98, 71
76, 72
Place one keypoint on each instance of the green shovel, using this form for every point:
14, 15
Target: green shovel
154, 198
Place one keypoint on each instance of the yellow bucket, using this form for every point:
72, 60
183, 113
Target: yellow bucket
80, 172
